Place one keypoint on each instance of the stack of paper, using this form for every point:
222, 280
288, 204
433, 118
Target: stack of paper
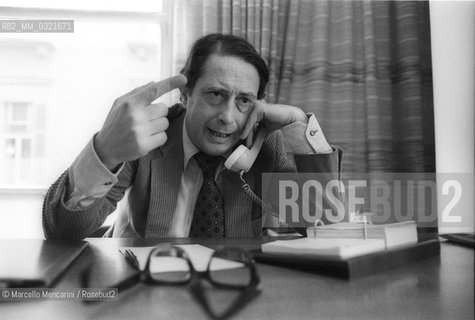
347, 239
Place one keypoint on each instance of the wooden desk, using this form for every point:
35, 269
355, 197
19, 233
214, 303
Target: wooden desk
435, 288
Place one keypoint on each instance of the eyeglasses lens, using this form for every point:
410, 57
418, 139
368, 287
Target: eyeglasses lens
168, 266
230, 267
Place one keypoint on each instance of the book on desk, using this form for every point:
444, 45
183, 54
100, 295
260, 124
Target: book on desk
351, 250
35, 263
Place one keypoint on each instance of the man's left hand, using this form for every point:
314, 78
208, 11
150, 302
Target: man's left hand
273, 116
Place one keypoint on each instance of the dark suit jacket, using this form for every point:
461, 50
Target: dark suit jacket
150, 185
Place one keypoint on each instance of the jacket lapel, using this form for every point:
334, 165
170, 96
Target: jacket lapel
166, 171
237, 205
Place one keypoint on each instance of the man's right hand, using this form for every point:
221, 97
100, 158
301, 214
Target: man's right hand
134, 125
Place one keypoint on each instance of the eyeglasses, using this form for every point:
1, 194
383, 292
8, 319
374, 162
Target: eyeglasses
228, 268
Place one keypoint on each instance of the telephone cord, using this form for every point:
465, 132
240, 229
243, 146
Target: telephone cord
247, 189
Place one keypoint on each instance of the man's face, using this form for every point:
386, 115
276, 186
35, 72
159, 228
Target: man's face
220, 103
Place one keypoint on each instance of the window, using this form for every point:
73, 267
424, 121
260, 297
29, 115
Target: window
56, 90
22, 143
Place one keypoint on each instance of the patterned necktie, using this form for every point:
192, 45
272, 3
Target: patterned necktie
208, 217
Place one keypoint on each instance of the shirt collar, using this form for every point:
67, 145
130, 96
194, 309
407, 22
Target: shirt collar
189, 148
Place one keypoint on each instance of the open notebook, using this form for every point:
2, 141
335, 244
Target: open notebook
35, 263
346, 240
340, 250
394, 234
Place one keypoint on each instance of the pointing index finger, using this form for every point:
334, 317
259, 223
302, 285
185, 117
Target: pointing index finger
169, 84
157, 89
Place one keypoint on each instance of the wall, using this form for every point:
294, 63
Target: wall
452, 28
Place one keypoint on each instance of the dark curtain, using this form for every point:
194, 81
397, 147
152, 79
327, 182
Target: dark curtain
363, 68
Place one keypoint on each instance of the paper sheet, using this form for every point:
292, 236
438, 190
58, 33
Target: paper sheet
198, 254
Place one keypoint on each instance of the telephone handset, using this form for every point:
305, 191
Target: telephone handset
243, 158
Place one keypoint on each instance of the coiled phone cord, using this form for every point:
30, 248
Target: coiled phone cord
247, 189
266, 207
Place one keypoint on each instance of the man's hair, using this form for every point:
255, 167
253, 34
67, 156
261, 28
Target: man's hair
225, 45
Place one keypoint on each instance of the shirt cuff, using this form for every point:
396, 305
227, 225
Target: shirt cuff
89, 178
305, 138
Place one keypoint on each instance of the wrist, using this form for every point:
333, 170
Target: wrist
103, 156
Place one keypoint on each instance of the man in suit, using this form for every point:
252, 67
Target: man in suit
166, 164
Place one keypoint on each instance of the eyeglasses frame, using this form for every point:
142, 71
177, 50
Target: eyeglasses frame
248, 291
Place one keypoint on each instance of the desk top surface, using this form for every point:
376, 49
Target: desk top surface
434, 288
